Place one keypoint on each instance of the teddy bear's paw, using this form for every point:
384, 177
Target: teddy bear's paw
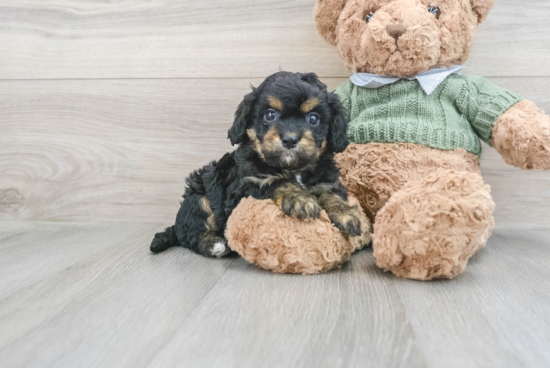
522, 136
347, 221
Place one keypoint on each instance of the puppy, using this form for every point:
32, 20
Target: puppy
288, 130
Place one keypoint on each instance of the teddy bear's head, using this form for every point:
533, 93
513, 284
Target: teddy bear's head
401, 37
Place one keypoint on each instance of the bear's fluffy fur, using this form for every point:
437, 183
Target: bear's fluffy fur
263, 235
430, 207
522, 136
389, 166
431, 227
429, 42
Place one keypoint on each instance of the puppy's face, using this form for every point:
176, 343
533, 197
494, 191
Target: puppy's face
290, 124
292, 121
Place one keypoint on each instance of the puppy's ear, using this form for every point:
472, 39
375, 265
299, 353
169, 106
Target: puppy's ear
338, 134
313, 79
237, 133
326, 16
482, 8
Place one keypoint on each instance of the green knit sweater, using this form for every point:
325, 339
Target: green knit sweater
457, 114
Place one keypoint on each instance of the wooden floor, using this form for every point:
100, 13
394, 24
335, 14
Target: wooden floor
91, 295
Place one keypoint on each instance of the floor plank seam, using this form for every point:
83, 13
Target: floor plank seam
200, 302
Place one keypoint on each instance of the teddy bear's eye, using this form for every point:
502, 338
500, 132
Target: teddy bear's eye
369, 16
435, 11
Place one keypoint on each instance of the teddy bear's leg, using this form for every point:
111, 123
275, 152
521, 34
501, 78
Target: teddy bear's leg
431, 227
374, 172
261, 233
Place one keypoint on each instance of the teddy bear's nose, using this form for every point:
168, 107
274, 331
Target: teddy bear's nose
396, 30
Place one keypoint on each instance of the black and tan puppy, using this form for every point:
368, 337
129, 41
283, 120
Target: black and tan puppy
288, 130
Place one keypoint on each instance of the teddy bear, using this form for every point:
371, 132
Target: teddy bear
416, 126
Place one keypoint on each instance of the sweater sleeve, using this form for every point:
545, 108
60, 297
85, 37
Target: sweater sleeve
483, 102
344, 92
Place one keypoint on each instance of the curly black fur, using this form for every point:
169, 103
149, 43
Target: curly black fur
266, 165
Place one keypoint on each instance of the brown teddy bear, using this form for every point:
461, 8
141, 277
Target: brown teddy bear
416, 126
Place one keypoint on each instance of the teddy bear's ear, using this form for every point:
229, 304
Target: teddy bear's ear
482, 8
237, 133
326, 16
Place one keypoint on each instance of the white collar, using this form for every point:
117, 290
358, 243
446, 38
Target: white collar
428, 80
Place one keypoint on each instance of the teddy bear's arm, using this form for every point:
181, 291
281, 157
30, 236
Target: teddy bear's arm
522, 136
515, 127
482, 102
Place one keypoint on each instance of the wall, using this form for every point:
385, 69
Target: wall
106, 106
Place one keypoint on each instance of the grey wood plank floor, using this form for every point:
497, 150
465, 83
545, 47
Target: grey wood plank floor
91, 295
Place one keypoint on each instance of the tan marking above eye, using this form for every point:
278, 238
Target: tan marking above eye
310, 104
275, 103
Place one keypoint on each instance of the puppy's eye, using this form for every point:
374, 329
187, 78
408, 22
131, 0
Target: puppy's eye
313, 119
271, 115
369, 16
435, 11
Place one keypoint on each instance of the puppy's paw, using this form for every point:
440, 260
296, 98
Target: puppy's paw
214, 247
347, 221
301, 207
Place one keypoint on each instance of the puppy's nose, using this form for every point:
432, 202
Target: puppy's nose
290, 141
396, 30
